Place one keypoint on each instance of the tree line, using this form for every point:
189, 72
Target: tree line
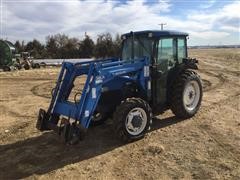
60, 46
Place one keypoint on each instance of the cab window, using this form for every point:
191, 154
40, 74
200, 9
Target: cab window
142, 48
165, 50
181, 49
127, 49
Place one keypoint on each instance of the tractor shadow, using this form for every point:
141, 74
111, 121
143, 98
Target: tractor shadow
46, 153
165, 122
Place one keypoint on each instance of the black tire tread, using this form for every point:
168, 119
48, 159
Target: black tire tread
176, 104
118, 119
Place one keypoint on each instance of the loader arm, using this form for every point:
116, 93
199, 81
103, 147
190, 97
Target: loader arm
98, 73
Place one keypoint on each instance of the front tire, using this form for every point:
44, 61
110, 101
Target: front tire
132, 119
186, 94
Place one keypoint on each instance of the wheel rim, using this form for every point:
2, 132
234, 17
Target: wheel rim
136, 121
191, 95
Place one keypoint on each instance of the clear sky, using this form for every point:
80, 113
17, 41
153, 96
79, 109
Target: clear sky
209, 22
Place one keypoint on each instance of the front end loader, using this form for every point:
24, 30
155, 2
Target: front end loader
76, 116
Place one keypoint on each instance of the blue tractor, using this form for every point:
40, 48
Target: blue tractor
153, 74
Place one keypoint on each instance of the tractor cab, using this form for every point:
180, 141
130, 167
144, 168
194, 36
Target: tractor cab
165, 49
161, 47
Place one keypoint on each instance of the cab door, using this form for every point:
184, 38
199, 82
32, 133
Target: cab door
166, 58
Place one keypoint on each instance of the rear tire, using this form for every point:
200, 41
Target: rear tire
132, 119
186, 94
37, 65
26, 66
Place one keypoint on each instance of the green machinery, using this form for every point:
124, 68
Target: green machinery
10, 60
7, 55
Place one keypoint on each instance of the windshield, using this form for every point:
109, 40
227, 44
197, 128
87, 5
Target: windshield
142, 47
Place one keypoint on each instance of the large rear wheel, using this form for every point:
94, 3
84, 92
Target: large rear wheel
132, 119
186, 94
26, 66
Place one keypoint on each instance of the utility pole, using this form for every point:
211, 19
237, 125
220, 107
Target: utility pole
162, 24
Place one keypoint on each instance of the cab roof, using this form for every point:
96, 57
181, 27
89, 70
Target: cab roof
156, 33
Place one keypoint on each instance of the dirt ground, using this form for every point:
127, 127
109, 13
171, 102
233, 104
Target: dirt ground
206, 146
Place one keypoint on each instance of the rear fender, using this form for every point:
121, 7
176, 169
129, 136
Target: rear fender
188, 63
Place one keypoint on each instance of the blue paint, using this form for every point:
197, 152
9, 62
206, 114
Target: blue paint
110, 73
